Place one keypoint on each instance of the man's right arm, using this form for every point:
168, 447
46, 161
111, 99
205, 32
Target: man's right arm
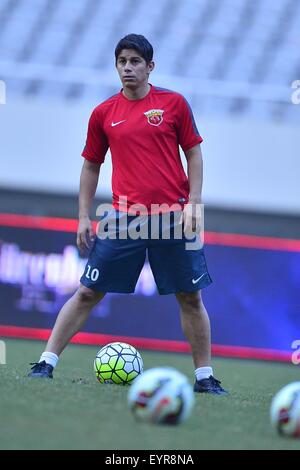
88, 185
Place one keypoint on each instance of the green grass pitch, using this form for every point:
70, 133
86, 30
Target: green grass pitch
74, 411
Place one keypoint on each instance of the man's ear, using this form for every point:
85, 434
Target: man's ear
151, 66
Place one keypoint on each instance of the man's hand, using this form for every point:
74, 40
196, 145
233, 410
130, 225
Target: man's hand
85, 233
191, 218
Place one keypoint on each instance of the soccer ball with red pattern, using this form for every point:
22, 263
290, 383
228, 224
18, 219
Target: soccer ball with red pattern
161, 395
285, 410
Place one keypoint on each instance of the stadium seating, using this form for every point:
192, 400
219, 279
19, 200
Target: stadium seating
227, 56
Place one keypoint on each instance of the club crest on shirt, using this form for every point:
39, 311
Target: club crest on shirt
154, 116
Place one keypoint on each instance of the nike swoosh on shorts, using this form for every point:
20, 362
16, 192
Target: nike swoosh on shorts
194, 281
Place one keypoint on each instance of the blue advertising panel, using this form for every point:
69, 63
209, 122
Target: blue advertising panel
254, 301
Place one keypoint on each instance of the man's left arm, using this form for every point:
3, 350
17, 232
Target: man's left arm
192, 210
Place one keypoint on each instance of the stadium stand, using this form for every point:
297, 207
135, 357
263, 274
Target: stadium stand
229, 56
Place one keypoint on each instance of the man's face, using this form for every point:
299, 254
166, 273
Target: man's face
132, 68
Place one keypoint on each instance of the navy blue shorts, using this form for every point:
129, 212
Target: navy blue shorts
114, 264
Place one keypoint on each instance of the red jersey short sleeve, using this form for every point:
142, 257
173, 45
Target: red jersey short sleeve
144, 137
96, 143
188, 135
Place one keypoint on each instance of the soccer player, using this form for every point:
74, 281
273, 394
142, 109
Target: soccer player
143, 126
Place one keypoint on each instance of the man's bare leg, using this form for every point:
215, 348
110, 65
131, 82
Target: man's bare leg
72, 317
69, 321
196, 326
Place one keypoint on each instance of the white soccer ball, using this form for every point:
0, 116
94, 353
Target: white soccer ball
285, 410
161, 395
118, 363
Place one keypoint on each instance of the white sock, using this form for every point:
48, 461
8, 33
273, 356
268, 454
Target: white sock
203, 373
49, 358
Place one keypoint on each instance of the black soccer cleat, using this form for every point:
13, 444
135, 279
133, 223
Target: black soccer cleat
41, 369
209, 385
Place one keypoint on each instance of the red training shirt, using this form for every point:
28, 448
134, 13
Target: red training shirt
144, 137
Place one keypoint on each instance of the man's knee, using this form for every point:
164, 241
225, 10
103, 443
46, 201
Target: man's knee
88, 296
190, 301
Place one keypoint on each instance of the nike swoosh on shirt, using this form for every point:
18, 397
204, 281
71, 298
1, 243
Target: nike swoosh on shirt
113, 124
194, 281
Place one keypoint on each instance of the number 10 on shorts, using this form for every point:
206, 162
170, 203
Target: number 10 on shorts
92, 273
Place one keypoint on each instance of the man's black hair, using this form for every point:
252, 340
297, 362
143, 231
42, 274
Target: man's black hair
137, 42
